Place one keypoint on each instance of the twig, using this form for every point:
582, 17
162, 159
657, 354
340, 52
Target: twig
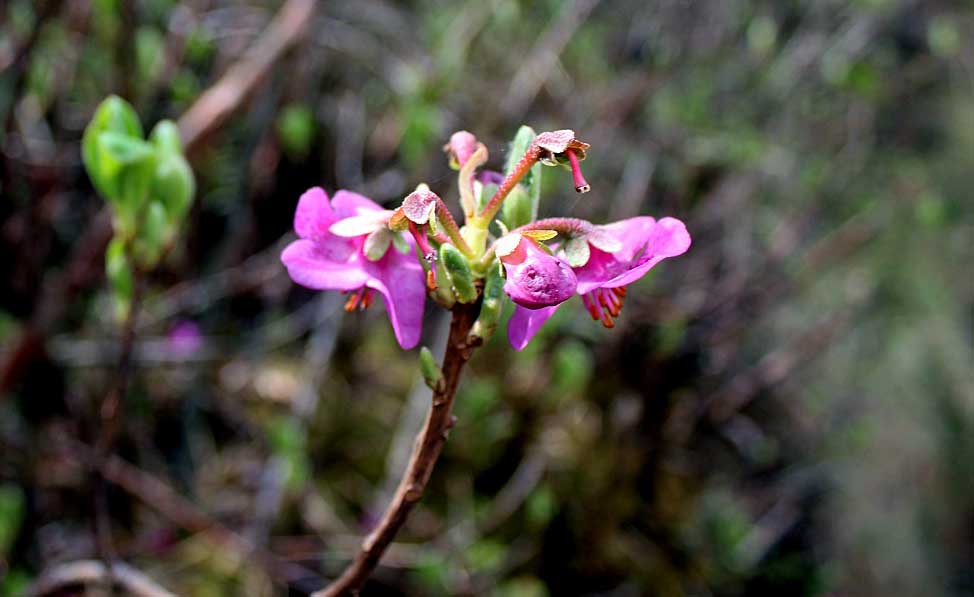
217, 103
90, 572
426, 451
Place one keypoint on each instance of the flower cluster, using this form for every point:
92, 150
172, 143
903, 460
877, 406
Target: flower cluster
418, 250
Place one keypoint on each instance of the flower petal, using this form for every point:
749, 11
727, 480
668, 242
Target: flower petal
669, 239
314, 214
537, 279
360, 225
328, 264
402, 283
348, 203
525, 323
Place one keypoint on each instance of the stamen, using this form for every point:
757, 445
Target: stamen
609, 302
581, 185
367, 296
620, 291
431, 279
352, 301
607, 321
593, 309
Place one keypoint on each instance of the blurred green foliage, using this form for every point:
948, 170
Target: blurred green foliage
786, 409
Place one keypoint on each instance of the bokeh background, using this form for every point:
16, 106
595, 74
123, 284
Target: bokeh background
786, 409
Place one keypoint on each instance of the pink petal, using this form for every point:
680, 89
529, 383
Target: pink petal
633, 233
314, 214
328, 264
349, 203
360, 225
539, 279
525, 323
669, 239
400, 280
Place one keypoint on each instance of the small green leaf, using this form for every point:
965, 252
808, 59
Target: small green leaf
430, 369
531, 182
173, 185
460, 274
518, 208
122, 148
154, 232
165, 137
577, 251
519, 145
114, 115
490, 307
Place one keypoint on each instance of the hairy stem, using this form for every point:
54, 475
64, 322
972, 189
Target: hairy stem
523, 166
426, 451
451, 228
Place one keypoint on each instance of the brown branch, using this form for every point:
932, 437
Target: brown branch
426, 451
217, 103
56, 580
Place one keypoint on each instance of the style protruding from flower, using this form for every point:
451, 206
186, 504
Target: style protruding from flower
345, 244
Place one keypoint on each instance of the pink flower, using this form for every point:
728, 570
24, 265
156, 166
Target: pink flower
603, 277
345, 245
535, 278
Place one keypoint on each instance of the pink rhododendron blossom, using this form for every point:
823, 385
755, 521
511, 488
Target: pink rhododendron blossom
601, 280
344, 244
535, 278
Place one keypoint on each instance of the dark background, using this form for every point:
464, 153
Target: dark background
786, 409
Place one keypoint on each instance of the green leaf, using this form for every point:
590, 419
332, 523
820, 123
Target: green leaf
165, 137
490, 307
531, 182
518, 208
113, 115
154, 232
174, 185
430, 369
126, 163
460, 274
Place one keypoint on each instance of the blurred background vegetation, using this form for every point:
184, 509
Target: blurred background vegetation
787, 409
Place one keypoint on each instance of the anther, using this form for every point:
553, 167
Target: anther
581, 185
366, 301
352, 302
607, 320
